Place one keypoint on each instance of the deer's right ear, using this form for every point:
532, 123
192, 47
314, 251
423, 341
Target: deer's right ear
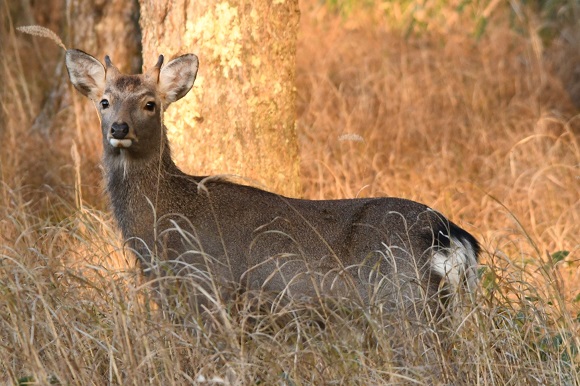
86, 73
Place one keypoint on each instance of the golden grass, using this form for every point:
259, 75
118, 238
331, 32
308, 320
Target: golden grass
482, 130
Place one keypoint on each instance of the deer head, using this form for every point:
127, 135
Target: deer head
131, 107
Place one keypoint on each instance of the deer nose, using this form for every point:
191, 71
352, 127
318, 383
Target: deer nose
119, 130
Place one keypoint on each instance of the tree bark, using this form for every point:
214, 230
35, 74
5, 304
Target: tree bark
240, 117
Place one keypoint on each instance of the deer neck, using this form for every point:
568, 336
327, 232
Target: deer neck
129, 166
138, 187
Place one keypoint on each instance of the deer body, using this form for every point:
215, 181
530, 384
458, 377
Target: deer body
246, 237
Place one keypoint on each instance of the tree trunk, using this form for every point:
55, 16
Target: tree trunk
240, 117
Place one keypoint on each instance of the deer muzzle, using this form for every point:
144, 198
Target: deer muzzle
118, 135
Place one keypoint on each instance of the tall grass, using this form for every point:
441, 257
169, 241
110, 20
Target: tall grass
481, 129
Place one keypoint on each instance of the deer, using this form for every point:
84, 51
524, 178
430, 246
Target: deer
229, 236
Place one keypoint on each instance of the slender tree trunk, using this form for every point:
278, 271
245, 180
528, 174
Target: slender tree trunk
240, 117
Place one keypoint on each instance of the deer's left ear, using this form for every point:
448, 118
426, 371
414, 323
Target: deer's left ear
177, 77
86, 73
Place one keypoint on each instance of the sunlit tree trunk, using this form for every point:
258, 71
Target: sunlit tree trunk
240, 117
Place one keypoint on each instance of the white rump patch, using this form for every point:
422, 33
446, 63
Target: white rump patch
456, 263
122, 143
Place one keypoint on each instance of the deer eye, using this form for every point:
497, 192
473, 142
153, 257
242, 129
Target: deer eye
150, 106
105, 104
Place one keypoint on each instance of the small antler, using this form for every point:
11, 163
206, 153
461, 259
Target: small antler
153, 72
159, 62
112, 71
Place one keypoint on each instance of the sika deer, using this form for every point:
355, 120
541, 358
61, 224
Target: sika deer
245, 238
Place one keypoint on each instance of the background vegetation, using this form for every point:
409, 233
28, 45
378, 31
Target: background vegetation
468, 106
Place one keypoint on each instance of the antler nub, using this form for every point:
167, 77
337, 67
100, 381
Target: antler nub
112, 71
159, 62
153, 72
108, 62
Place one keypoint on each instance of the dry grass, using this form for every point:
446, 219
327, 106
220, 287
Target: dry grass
483, 130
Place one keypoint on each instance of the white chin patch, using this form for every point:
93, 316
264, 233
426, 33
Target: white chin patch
121, 143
